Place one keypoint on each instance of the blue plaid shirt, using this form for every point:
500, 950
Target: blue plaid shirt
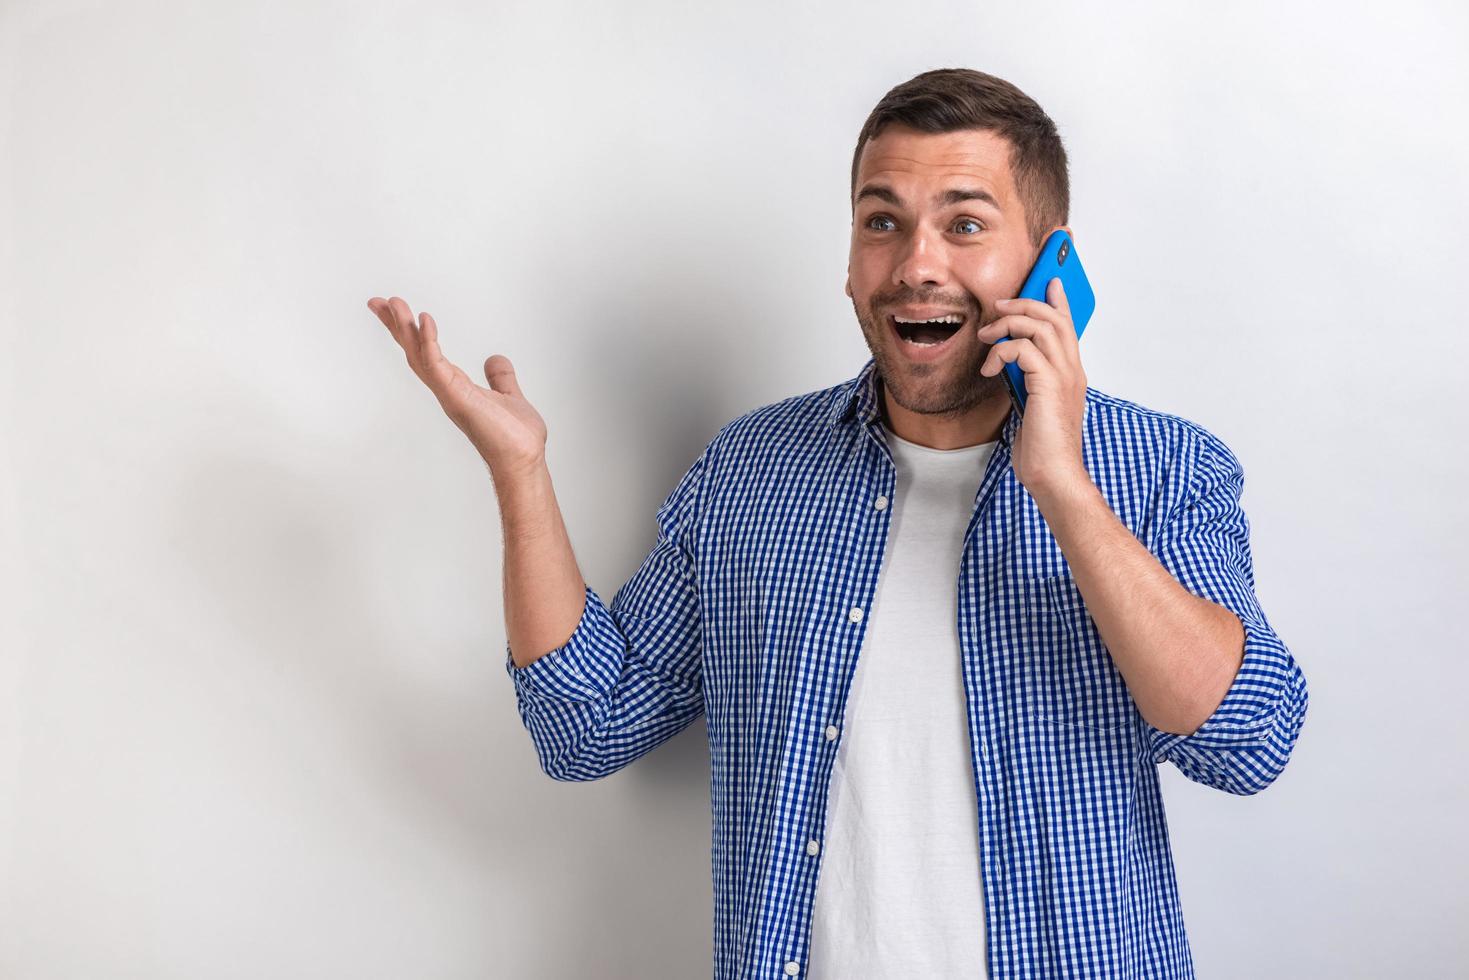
749, 610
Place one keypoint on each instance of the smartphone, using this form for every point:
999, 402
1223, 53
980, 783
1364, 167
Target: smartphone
1058, 258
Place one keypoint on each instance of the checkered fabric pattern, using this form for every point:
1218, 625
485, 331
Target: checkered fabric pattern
750, 609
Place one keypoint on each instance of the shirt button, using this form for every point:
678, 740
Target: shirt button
831, 733
813, 848
856, 614
792, 968
881, 502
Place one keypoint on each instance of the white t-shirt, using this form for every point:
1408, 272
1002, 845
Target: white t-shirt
899, 892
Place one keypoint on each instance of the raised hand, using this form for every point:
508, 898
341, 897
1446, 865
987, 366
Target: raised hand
508, 432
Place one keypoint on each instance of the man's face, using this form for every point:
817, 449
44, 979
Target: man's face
914, 255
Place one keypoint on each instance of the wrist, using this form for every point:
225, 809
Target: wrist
516, 472
1065, 492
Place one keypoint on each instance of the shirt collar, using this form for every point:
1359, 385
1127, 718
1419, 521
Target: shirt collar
859, 398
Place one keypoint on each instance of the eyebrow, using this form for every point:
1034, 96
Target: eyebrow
954, 195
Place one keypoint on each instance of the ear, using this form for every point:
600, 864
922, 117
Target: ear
1065, 228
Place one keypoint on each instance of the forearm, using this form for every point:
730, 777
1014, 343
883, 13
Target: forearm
544, 588
1178, 653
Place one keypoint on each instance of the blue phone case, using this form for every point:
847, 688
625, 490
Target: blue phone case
1058, 258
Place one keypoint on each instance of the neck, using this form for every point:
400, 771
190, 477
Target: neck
980, 424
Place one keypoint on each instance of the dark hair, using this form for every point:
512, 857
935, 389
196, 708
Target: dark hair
946, 100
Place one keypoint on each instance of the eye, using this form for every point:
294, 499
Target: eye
962, 221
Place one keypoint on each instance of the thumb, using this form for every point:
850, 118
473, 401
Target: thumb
500, 373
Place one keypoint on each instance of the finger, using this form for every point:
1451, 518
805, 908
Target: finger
434, 362
407, 333
1043, 333
384, 310
1020, 351
389, 317
403, 318
379, 308
500, 373
1066, 329
1033, 307
1060, 316
1056, 296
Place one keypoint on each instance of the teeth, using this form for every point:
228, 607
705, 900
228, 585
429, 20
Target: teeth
951, 318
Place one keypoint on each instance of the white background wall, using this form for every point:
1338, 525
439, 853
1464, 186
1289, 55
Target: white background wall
254, 720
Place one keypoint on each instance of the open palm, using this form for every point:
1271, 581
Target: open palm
506, 429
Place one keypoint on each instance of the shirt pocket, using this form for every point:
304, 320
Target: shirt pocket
1075, 682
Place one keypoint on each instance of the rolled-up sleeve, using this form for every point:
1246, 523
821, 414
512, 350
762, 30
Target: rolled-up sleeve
1244, 745
630, 676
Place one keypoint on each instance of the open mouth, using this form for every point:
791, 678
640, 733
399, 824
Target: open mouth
927, 336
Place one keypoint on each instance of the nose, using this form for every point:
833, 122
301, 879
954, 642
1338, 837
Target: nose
923, 262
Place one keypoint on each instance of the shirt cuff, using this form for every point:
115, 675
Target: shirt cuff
585, 668
1258, 703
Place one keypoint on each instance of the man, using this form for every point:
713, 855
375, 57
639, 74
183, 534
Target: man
976, 794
